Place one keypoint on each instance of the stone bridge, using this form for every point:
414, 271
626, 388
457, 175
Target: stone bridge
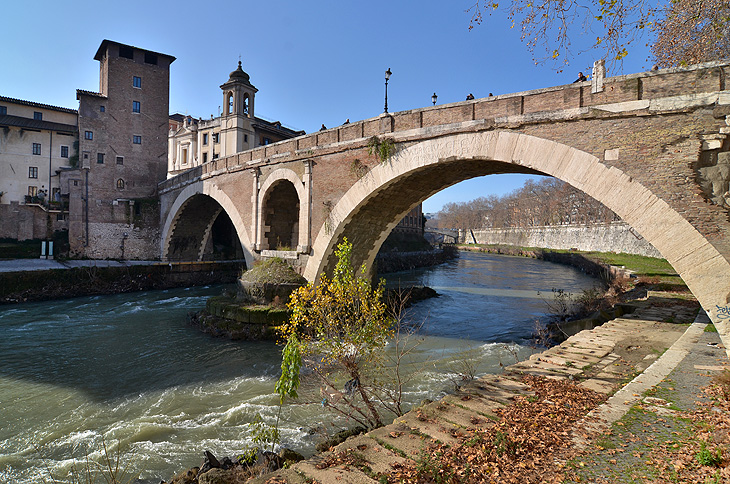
652, 147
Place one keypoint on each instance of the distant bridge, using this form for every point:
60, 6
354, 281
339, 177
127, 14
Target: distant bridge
445, 236
650, 146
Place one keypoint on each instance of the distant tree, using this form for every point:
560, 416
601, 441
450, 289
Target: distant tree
548, 201
682, 31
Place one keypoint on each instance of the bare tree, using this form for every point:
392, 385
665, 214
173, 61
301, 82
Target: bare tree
548, 201
687, 31
693, 31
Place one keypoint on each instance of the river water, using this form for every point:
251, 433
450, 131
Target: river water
127, 371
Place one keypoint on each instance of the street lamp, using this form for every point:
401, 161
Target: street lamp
434, 98
387, 76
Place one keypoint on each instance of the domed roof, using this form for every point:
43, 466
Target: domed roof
239, 75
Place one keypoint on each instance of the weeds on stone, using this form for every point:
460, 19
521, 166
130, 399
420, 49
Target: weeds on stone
383, 149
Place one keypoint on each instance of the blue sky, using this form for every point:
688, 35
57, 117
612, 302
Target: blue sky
314, 62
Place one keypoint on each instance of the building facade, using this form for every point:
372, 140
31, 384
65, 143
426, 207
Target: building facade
122, 130
37, 141
193, 142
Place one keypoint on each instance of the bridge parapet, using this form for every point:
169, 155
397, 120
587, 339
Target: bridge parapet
702, 78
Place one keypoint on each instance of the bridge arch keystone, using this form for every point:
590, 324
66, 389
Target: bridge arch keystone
705, 271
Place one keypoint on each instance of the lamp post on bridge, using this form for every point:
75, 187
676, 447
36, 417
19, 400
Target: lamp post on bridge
387, 76
434, 98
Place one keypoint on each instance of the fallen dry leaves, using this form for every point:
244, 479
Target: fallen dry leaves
524, 446
680, 461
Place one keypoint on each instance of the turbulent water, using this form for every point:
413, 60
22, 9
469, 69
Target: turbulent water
127, 371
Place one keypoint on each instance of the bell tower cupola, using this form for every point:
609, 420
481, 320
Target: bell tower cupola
238, 113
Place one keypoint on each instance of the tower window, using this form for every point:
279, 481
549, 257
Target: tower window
137, 82
137, 139
245, 104
150, 58
245, 138
126, 51
36, 148
32, 172
100, 158
120, 160
205, 138
216, 137
135, 106
64, 151
102, 109
230, 103
120, 184
38, 116
88, 135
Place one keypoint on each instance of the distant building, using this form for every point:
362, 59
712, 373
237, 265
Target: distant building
123, 128
36, 142
193, 142
413, 223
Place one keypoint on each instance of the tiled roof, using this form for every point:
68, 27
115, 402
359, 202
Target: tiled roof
81, 92
37, 105
275, 126
20, 122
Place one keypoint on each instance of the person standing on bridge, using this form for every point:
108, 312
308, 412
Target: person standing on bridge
581, 78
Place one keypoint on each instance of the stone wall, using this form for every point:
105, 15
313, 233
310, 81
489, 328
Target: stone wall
25, 222
16, 287
613, 237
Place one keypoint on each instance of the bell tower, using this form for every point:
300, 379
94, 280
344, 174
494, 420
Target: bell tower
237, 117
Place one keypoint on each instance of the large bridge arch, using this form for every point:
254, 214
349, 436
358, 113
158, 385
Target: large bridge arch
215, 202
373, 205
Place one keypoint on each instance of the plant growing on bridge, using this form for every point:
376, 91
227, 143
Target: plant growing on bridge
338, 330
383, 149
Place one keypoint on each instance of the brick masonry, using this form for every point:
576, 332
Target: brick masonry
636, 146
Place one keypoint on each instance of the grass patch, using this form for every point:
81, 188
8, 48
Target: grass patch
710, 328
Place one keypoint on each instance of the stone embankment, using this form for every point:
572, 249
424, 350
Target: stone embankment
603, 360
92, 280
608, 237
387, 262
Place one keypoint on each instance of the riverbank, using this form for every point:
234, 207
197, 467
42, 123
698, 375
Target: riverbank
27, 282
542, 418
588, 265
388, 262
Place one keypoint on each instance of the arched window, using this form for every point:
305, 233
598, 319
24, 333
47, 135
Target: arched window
229, 103
245, 104
120, 184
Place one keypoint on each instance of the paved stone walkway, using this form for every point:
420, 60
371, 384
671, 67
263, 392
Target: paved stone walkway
649, 343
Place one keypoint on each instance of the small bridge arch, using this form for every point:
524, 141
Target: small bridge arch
188, 228
284, 209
